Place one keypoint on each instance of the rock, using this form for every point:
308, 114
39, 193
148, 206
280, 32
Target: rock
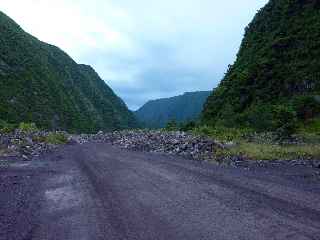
29, 140
26, 146
316, 164
229, 144
22, 145
179, 143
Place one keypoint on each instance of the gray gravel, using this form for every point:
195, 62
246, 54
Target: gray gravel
99, 191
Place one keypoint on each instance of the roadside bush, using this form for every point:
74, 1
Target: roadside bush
310, 131
6, 127
259, 117
204, 130
306, 106
28, 127
189, 126
257, 151
285, 121
229, 118
38, 139
314, 126
171, 126
2, 124
56, 138
222, 133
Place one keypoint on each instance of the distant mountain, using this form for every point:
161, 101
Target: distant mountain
277, 70
40, 83
186, 107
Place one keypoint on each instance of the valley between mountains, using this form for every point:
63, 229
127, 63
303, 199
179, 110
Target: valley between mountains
240, 162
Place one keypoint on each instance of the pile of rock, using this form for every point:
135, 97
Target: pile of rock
29, 145
25, 145
183, 144
179, 143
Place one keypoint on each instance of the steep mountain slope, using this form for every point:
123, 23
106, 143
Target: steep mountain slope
157, 113
277, 69
42, 84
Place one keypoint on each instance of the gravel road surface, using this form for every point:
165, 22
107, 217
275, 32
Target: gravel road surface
99, 191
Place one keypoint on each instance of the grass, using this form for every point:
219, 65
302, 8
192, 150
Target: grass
56, 138
263, 146
28, 127
310, 132
259, 151
6, 127
222, 134
312, 126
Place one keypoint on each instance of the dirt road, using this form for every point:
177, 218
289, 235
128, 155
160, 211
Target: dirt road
97, 191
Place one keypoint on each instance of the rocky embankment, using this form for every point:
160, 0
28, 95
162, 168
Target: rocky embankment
184, 144
29, 145
25, 145
178, 143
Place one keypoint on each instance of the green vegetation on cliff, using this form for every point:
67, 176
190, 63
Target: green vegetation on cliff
275, 82
183, 108
40, 83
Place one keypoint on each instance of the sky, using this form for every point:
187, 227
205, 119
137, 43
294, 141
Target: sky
143, 49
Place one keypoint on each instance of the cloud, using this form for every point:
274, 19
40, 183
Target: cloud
144, 49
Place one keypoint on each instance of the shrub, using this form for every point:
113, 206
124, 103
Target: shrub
310, 131
260, 117
2, 124
187, 126
256, 151
314, 126
222, 133
28, 127
171, 126
56, 138
306, 106
204, 130
229, 118
285, 121
6, 127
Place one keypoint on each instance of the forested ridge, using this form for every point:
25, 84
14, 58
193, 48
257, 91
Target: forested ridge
187, 107
276, 76
40, 83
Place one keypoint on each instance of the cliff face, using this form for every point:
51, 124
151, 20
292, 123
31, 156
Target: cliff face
40, 83
278, 64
